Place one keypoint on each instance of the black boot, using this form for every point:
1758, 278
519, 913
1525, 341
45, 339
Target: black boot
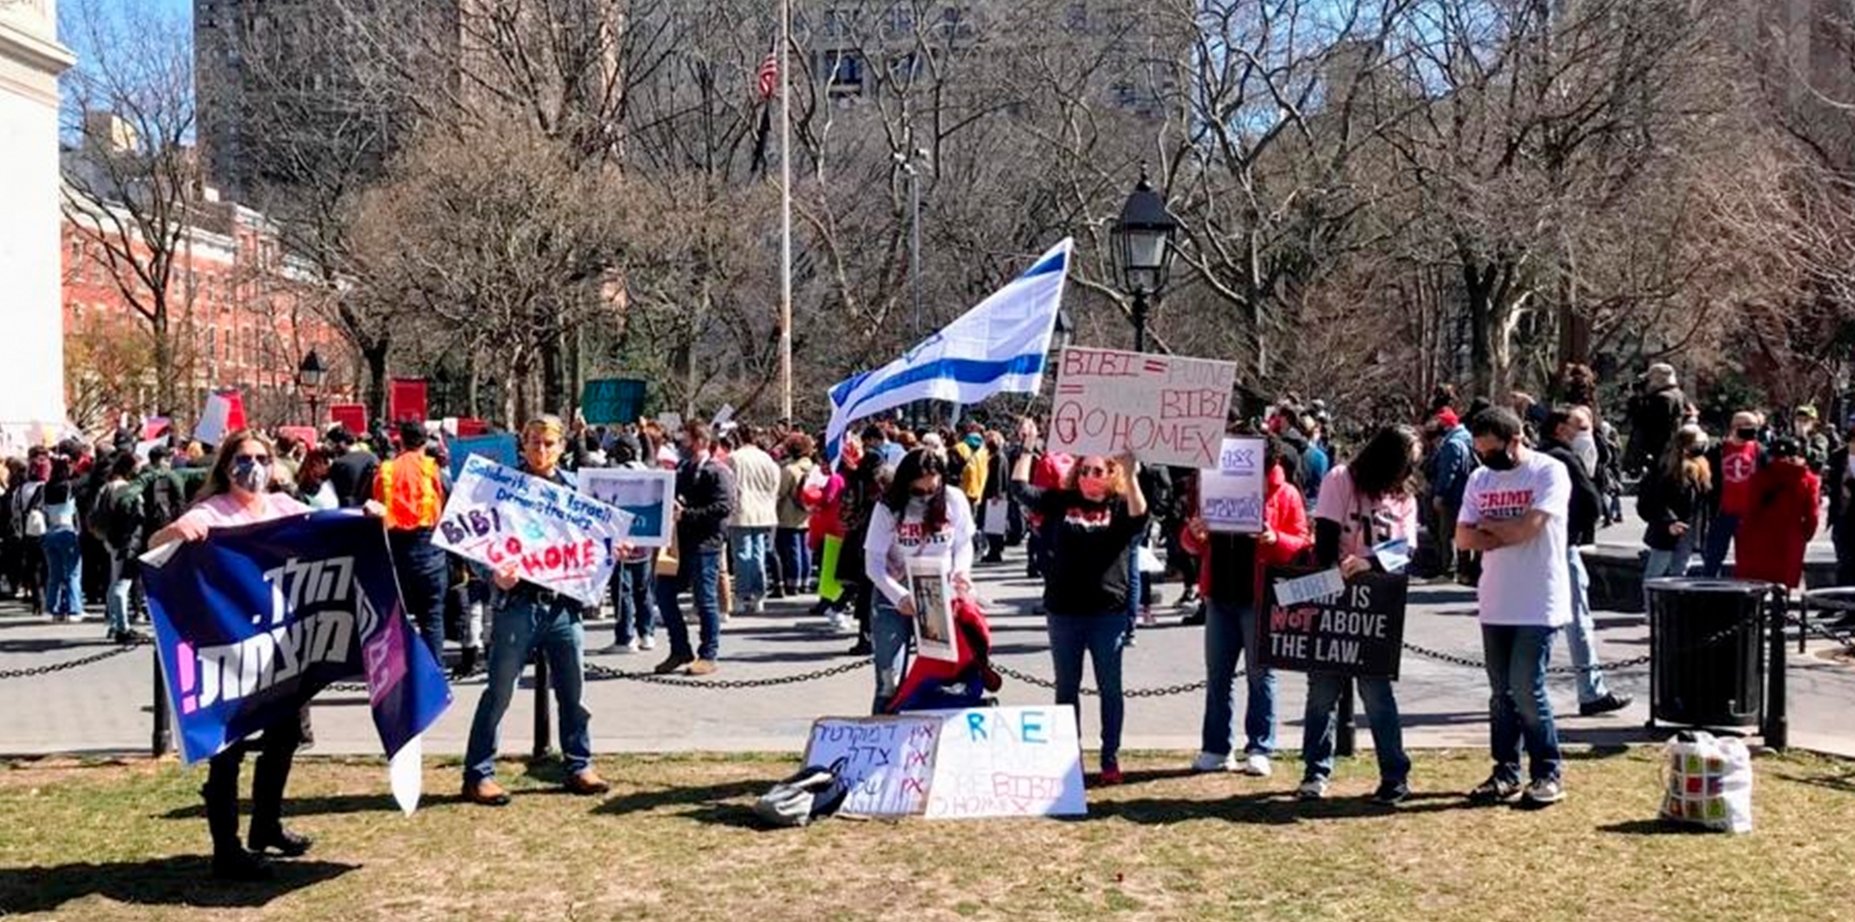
466, 664
267, 783
230, 860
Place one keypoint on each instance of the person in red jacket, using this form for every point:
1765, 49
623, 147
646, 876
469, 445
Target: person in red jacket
1780, 518
1736, 459
1230, 579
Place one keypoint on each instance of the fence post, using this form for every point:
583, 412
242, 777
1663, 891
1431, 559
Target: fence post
163, 738
1777, 728
542, 721
1343, 737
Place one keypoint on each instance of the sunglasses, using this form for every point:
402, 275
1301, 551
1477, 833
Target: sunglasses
1092, 471
250, 460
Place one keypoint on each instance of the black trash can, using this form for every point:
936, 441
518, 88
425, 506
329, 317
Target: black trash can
1707, 663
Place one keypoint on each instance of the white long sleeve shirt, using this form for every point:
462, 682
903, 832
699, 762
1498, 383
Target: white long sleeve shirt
891, 545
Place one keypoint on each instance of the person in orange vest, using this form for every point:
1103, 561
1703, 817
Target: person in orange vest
412, 488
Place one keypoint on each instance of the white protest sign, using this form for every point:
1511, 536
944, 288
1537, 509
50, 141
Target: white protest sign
724, 415
1230, 496
1323, 585
671, 423
886, 762
1008, 761
984, 762
649, 495
555, 537
1166, 409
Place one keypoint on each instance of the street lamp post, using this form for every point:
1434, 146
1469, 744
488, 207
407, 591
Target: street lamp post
1143, 246
309, 376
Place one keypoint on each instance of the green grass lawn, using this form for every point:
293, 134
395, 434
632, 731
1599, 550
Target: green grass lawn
675, 840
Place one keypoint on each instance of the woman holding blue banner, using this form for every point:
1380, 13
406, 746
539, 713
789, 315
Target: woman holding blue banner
236, 493
1367, 505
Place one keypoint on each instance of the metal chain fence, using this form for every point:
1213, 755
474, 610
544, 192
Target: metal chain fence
32, 671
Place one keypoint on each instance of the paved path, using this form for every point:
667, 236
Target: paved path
103, 708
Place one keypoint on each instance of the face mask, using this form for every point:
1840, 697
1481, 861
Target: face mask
252, 478
1746, 435
1497, 460
1093, 488
973, 442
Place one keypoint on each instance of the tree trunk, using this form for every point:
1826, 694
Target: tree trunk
1478, 285
167, 378
553, 376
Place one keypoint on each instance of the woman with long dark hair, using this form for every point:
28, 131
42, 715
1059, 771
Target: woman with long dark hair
64, 565
237, 492
1364, 506
921, 517
1673, 501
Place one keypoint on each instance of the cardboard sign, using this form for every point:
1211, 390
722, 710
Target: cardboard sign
612, 401
1010, 761
648, 495
1358, 632
671, 423
500, 448
1166, 409
887, 762
305, 435
1230, 496
984, 762
349, 416
224, 414
552, 535
724, 416
932, 589
406, 400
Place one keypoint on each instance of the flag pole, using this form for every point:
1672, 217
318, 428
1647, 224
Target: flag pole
785, 210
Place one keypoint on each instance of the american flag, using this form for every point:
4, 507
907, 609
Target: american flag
769, 75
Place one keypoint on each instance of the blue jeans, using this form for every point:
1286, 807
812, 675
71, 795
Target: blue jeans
1322, 721
424, 576
889, 636
1581, 634
1517, 707
64, 574
750, 554
635, 602
1230, 634
700, 574
523, 625
121, 581
1719, 540
1100, 637
1135, 584
795, 559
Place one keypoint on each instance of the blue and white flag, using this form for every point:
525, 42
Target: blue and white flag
997, 347
256, 619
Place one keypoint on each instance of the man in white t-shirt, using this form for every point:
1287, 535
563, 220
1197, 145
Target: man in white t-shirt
1514, 513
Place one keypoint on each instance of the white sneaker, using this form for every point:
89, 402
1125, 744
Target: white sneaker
1213, 762
759, 606
1257, 766
1312, 789
631, 647
648, 643
1544, 791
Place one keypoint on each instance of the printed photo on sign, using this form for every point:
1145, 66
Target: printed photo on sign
935, 636
1357, 631
551, 535
649, 496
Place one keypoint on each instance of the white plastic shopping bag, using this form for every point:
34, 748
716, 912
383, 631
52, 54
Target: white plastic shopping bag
1707, 781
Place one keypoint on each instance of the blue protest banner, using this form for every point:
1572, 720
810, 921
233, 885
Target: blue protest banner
500, 447
612, 401
254, 620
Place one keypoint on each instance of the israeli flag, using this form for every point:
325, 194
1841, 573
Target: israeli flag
997, 347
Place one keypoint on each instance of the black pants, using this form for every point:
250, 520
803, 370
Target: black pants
865, 599
276, 749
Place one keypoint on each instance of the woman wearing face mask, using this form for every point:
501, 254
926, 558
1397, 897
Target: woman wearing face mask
921, 517
1734, 462
1090, 522
1363, 504
237, 493
1673, 500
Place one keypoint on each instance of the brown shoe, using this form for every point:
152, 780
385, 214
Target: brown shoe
703, 667
486, 793
586, 783
673, 664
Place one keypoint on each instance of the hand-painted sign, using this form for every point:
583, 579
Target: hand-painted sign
1166, 409
548, 533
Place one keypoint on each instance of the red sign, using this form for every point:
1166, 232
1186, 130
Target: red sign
406, 400
304, 434
468, 426
350, 416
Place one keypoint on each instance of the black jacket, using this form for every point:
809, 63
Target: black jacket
1662, 501
1838, 486
1654, 417
706, 491
1581, 527
352, 477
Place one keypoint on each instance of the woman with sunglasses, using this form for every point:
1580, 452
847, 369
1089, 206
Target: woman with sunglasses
1089, 523
237, 492
920, 517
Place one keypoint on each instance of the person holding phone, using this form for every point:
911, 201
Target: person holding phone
921, 517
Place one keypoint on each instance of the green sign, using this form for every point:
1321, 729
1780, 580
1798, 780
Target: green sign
612, 401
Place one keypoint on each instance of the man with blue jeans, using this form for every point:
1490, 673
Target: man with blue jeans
704, 504
1584, 508
530, 618
756, 478
1515, 513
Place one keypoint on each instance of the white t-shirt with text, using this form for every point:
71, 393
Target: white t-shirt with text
1527, 585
